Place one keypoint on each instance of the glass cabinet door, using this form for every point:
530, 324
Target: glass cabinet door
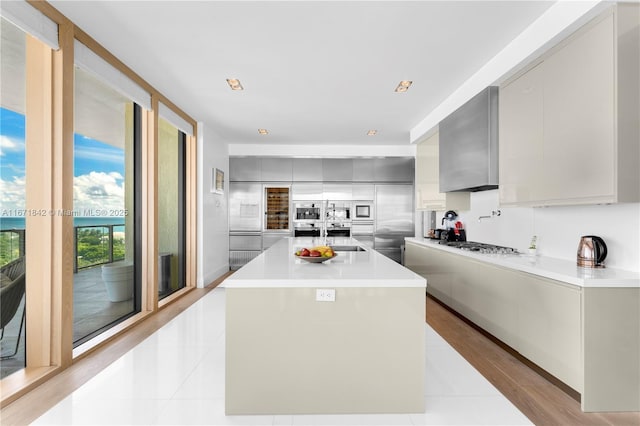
276, 209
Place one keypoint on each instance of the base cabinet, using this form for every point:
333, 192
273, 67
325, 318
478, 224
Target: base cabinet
548, 322
539, 318
435, 265
587, 337
491, 302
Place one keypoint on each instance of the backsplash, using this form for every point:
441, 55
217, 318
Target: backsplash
558, 229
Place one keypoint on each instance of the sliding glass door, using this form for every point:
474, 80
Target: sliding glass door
171, 209
105, 184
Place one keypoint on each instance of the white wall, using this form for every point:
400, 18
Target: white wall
558, 228
213, 222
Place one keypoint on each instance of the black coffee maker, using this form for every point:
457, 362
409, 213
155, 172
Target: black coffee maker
454, 229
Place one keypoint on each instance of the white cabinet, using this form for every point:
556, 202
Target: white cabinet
538, 317
587, 337
549, 326
363, 192
486, 295
306, 191
568, 128
434, 265
521, 139
337, 191
428, 195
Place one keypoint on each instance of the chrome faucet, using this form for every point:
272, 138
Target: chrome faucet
325, 233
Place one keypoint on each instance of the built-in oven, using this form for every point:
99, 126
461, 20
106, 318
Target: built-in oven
306, 229
363, 211
338, 229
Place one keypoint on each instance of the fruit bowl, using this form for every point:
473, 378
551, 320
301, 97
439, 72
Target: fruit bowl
315, 259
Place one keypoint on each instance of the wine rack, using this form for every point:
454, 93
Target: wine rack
277, 208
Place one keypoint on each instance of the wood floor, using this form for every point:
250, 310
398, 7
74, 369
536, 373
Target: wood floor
542, 402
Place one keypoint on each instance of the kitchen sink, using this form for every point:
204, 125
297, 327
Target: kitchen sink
347, 248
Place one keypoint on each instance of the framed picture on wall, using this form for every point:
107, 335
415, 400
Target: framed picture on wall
217, 181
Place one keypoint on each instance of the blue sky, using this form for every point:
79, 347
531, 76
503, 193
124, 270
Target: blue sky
98, 168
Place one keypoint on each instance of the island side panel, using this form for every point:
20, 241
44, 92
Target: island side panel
287, 353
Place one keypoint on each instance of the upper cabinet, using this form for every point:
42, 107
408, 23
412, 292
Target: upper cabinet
245, 169
277, 169
569, 126
364, 170
337, 169
400, 169
428, 195
345, 170
307, 170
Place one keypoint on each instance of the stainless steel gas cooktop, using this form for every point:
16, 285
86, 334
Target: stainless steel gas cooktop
480, 247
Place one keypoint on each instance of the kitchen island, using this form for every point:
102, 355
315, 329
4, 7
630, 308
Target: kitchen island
344, 336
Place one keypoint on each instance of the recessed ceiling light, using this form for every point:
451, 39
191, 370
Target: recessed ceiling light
372, 132
234, 83
403, 86
263, 131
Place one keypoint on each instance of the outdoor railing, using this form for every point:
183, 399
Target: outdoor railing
93, 245
97, 245
11, 245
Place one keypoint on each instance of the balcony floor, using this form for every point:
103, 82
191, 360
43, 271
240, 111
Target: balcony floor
92, 310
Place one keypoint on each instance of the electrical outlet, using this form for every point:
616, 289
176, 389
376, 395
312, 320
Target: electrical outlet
325, 295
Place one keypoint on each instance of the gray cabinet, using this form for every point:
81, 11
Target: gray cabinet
364, 170
337, 170
245, 206
307, 170
394, 169
245, 169
277, 169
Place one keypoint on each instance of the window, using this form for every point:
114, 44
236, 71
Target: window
13, 195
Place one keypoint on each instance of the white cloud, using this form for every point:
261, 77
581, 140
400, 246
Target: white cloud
98, 191
93, 192
13, 195
8, 144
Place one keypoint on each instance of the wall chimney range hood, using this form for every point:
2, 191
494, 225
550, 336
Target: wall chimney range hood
469, 145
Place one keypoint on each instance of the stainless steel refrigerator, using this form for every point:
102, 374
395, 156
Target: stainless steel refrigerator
394, 219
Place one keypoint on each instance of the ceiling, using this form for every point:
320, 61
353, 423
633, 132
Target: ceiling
314, 72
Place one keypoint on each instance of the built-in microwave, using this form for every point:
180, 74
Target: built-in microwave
307, 211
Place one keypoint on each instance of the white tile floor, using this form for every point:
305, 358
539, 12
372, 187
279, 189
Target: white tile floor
176, 376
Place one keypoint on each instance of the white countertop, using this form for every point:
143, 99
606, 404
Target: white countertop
279, 267
556, 269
